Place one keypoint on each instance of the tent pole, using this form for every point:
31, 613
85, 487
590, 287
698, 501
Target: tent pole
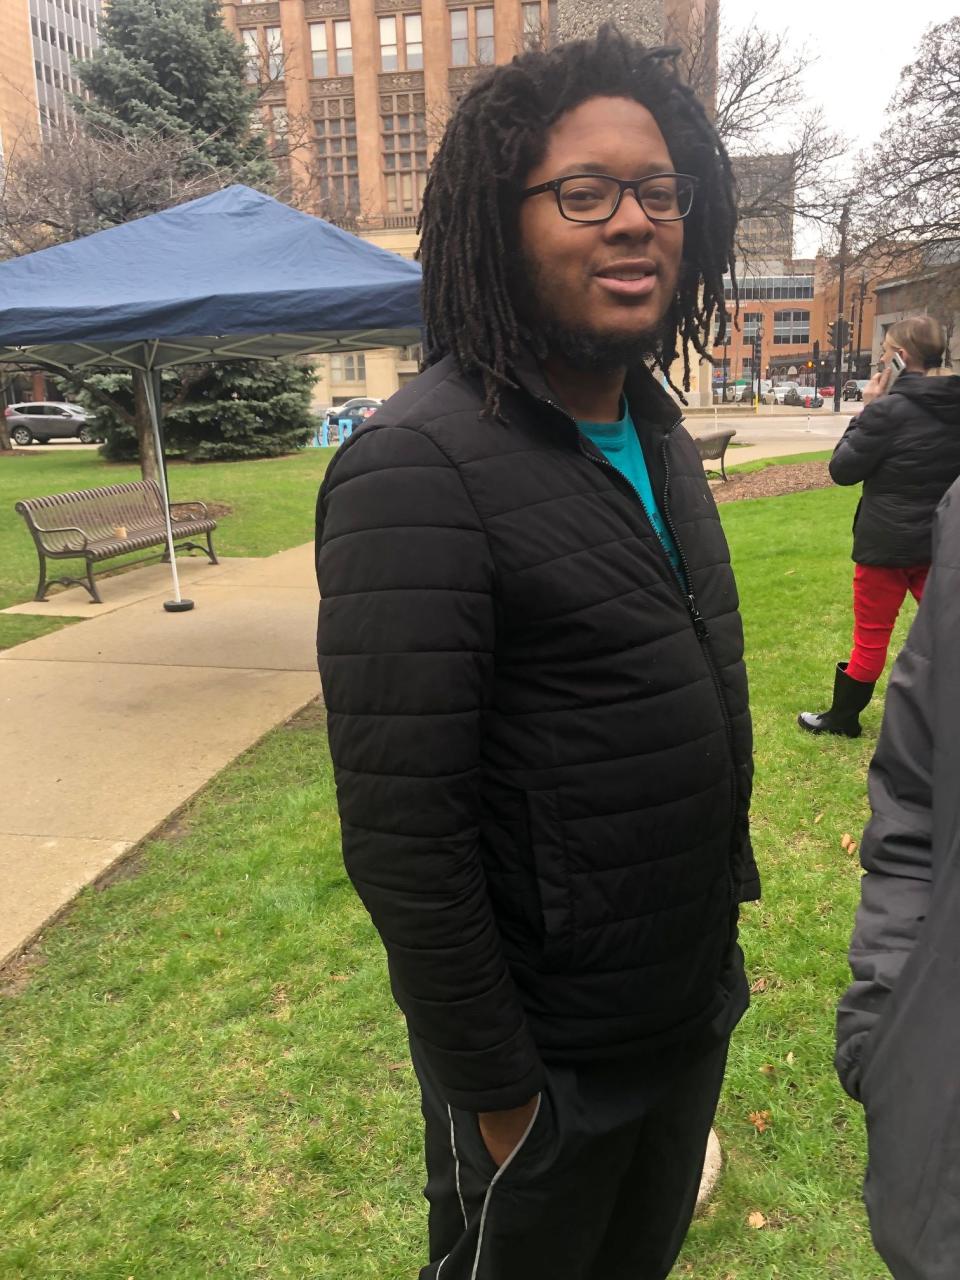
177, 604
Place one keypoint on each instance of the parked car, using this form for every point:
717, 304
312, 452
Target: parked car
44, 420
827, 391
778, 392
350, 409
803, 398
854, 388
745, 394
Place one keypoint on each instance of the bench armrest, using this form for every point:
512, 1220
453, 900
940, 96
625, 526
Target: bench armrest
199, 508
67, 528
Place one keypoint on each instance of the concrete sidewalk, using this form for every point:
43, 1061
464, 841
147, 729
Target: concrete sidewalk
112, 724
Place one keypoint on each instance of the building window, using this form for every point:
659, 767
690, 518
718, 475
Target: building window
791, 328
485, 45
532, 26
348, 368
389, 59
339, 174
343, 43
403, 123
459, 38
413, 39
274, 47
751, 323
280, 129
251, 48
318, 49
757, 288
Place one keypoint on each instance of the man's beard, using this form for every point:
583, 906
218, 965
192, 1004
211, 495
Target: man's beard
595, 352
579, 347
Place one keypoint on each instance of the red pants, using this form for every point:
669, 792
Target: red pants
878, 594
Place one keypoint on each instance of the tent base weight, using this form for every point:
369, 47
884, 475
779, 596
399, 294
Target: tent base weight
178, 606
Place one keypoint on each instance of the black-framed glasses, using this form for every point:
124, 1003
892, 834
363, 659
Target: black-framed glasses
595, 197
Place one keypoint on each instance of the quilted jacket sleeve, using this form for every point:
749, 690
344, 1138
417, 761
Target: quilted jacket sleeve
896, 849
866, 442
405, 642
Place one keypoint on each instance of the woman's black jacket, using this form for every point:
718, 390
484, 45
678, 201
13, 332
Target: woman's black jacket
905, 447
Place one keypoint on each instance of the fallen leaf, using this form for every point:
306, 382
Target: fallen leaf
760, 1120
339, 977
758, 986
756, 1220
818, 818
768, 1069
398, 1066
790, 1058
175, 1114
847, 842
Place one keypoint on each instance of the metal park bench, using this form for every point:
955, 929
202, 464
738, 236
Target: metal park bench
97, 524
713, 447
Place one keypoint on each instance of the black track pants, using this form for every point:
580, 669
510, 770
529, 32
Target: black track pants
601, 1187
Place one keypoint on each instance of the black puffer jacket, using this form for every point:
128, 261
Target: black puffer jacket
905, 447
542, 750
898, 1033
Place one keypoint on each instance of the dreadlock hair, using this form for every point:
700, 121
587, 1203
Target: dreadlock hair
469, 222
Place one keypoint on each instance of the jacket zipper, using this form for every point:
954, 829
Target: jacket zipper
703, 635
693, 609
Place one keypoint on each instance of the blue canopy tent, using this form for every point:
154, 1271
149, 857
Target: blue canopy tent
235, 275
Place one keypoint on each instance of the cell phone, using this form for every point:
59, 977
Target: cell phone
896, 368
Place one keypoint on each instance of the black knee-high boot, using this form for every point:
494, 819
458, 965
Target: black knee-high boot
849, 699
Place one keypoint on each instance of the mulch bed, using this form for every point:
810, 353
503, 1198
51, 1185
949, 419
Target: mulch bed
773, 481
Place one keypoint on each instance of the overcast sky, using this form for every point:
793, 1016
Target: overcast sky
854, 51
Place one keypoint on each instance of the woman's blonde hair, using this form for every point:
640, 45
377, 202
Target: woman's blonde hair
921, 337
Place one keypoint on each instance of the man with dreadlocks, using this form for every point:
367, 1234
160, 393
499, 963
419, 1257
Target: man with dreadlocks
532, 662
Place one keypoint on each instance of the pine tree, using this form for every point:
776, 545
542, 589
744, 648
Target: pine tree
170, 69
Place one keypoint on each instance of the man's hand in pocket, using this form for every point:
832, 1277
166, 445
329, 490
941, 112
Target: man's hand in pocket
502, 1130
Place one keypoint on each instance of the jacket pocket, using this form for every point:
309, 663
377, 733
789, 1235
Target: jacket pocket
553, 881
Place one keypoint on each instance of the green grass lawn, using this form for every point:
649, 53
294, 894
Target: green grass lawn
203, 1072
271, 504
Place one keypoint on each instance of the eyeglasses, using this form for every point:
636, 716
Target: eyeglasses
595, 197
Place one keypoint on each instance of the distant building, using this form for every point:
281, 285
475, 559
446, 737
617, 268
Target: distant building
791, 303
62, 30
19, 113
933, 289
766, 185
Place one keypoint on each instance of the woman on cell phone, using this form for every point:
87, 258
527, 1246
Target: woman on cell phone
905, 447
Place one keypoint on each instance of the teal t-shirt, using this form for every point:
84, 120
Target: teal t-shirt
620, 444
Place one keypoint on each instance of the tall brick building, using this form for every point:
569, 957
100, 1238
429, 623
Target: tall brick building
19, 118
39, 40
360, 90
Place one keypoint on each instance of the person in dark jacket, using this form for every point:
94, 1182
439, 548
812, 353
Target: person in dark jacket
905, 447
532, 661
898, 1033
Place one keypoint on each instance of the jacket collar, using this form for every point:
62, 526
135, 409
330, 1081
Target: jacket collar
645, 396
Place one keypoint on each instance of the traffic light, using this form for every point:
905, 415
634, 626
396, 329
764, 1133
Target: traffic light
843, 332
832, 334
816, 354
809, 364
